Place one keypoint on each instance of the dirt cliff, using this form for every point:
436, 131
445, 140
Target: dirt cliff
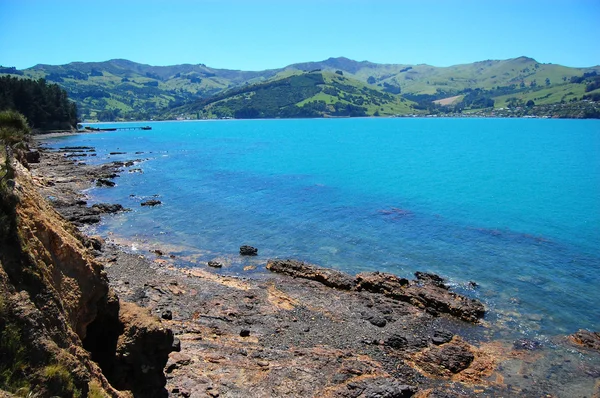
58, 315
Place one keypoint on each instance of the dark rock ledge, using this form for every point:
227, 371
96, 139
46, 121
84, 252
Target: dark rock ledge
428, 292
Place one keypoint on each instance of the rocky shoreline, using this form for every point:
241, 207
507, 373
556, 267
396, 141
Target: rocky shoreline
303, 330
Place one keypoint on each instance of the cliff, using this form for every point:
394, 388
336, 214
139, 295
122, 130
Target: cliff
63, 331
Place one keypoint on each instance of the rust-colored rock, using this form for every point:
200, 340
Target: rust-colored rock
428, 292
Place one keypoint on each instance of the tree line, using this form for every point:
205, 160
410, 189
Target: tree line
46, 106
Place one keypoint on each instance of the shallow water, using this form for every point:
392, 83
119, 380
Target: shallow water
513, 205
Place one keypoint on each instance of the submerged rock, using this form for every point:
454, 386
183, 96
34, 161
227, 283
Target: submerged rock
151, 202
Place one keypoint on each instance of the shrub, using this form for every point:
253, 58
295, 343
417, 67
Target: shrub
59, 381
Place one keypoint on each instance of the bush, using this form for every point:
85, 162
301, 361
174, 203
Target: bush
13, 127
12, 354
59, 381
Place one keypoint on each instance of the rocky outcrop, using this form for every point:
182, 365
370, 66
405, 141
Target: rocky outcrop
52, 294
326, 276
248, 250
587, 339
428, 292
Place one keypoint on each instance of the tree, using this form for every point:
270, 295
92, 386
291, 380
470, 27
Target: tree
13, 129
547, 81
371, 80
530, 103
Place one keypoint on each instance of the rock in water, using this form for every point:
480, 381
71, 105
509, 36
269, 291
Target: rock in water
248, 251
586, 339
215, 264
104, 182
151, 202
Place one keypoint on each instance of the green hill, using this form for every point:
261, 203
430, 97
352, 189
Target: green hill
121, 90
301, 94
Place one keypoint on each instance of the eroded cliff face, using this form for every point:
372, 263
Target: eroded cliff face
54, 297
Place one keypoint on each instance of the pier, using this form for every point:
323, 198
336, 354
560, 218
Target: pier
88, 128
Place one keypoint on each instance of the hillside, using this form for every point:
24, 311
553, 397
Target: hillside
302, 94
122, 90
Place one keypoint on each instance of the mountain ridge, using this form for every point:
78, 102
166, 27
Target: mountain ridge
120, 89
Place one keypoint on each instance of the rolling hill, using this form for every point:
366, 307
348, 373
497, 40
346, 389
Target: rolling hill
121, 90
301, 94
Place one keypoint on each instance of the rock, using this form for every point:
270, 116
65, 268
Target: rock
389, 389
428, 296
377, 388
151, 202
95, 242
244, 333
87, 219
586, 339
32, 156
376, 320
527, 344
177, 360
100, 182
142, 352
248, 250
396, 341
108, 208
298, 269
158, 252
400, 340
176, 347
454, 358
433, 279
117, 153
441, 336
167, 314
215, 264
378, 282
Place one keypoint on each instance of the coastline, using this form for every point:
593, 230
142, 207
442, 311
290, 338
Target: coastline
290, 336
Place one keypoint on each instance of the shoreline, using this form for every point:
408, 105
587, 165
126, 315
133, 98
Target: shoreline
292, 335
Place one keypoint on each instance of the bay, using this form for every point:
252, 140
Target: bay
511, 204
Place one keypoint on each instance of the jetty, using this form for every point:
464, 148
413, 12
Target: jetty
89, 128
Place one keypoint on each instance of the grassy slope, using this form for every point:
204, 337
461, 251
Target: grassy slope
150, 89
306, 88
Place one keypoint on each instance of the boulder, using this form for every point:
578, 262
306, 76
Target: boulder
215, 264
248, 251
103, 182
441, 336
32, 156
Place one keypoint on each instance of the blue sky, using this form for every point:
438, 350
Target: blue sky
257, 35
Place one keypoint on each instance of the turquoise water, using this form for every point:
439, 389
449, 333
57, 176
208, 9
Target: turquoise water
513, 205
